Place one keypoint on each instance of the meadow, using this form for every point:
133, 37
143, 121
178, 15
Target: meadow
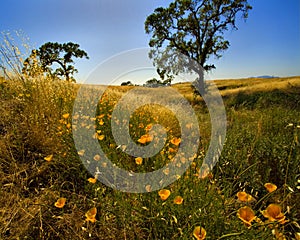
251, 193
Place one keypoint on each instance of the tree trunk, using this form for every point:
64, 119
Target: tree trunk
200, 84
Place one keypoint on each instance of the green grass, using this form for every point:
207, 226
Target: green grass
262, 145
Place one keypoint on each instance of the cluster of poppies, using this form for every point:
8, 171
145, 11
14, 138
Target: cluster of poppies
90, 214
273, 212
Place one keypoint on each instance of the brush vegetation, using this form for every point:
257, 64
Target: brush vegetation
40, 167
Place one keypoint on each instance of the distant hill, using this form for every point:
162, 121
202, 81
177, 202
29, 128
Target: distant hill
265, 76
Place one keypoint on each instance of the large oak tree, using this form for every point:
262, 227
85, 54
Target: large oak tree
193, 29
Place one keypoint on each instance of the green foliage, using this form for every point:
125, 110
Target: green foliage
50, 53
195, 29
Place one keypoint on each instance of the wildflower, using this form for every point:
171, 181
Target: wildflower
60, 203
148, 188
92, 180
91, 215
148, 127
273, 213
270, 187
175, 141
172, 150
199, 233
247, 215
104, 164
204, 172
178, 200
101, 116
138, 160
208, 175
166, 171
81, 152
48, 158
164, 194
145, 139
97, 157
101, 122
245, 197
100, 137
66, 115
278, 235
183, 160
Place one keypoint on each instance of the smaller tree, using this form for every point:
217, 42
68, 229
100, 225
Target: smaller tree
51, 53
153, 83
128, 83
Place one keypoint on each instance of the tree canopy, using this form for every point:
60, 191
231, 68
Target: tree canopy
194, 29
53, 52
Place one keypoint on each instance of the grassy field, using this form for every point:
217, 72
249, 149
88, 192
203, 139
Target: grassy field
47, 193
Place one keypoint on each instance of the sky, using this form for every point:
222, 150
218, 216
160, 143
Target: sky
268, 43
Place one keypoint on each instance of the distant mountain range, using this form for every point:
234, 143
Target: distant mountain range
265, 76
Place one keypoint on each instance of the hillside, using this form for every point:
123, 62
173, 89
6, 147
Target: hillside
47, 192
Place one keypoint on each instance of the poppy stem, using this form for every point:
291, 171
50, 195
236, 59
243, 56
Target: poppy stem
230, 234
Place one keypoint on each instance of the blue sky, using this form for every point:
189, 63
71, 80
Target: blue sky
268, 43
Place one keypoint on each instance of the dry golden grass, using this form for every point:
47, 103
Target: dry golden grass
252, 85
29, 185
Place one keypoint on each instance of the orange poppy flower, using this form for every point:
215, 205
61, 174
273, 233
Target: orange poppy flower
81, 152
178, 200
270, 187
92, 180
101, 122
273, 213
166, 171
176, 141
100, 137
101, 116
164, 194
172, 150
247, 215
91, 215
145, 139
245, 197
199, 233
66, 115
148, 127
48, 158
148, 188
204, 172
60, 203
138, 160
